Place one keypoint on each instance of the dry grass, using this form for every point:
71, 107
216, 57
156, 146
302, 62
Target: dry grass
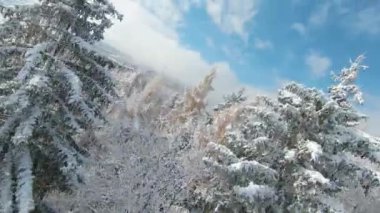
194, 101
150, 100
223, 120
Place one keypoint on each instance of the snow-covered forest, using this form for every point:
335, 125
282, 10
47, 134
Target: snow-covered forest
83, 132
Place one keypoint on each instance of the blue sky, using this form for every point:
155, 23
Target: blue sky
268, 42
285, 40
255, 44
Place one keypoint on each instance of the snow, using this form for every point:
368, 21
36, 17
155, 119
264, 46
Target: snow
25, 130
363, 163
290, 154
346, 88
314, 148
6, 183
333, 203
33, 57
223, 152
212, 163
70, 119
295, 99
37, 81
75, 85
316, 177
261, 140
374, 144
24, 192
255, 192
372, 139
275, 119
251, 166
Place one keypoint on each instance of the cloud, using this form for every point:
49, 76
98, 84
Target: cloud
170, 12
227, 82
372, 125
299, 27
233, 53
371, 108
232, 16
355, 21
263, 44
317, 64
320, 15
367, 21
317, 18
16, 2
152, 44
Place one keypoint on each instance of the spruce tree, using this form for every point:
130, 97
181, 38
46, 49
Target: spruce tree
293, 154
53, 85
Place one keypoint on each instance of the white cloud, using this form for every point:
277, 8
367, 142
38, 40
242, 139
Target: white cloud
232, 16
317, 18
152, 44
368, 21
170, 12
227, 51
299, 27
317, 64
356, 21
372, 125
16, 2
233, 53
320, 15
263, 44
371, 108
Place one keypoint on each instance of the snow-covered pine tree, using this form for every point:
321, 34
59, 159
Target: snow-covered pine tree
53, 84
292, 154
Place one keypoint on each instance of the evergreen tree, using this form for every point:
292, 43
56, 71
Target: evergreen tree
53, 85
293, 154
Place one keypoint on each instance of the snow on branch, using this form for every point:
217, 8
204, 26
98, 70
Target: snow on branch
36, 82
70, 119
25, 130
346, 88
32, 59
256, 193
314, 149
75, 85
98, 87
7, 126
6, 183
315, 177
6, 50
76, 93
24, 190
288, 97
87, 47
67, 157
253, 168
221, 153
